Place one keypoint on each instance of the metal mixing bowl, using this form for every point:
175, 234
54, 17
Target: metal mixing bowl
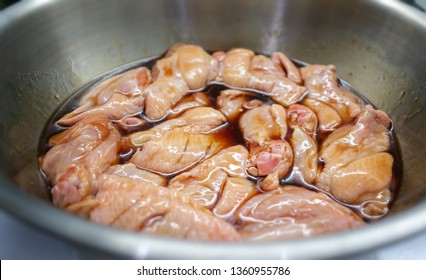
50, 48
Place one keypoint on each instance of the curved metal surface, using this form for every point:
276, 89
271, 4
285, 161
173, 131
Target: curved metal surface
50, 48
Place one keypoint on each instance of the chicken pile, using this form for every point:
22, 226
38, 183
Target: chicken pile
278, 152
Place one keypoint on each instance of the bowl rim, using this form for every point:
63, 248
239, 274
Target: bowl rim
119, 243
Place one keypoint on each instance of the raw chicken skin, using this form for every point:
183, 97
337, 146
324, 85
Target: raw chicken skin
241, 68
179, 144
305, 148
130, 171
184, 68
162, 95
197, 120
305, 156
328, 119
78, 156
205, 182
264, 128
292, 212
133, 205
195, 100
115, 98
177, 150
304, 118
235, 193
131, 124
356, 165
263, 124
293, 73
322, 84
232, 103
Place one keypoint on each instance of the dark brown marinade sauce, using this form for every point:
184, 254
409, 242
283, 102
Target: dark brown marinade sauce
229, 132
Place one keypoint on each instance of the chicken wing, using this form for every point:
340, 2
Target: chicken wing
264, 128
328, 119
78, 156
241, 68
303, 141
357, 168
195, 100
115, 98
292, 212
130, 170
232, 103
205, 183
184, 68
178, 144
142, 206
264, 123
322, 84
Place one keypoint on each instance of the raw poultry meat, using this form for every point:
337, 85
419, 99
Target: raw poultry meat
178, 144
264, 123
323, 85
219, 183
115, 98
241, 68
303, 141
264, 129
131, 124
233, 146
195, 100
232, 103
78, 156
183, 68
292, 212
133, 205
357, 165
328, 119
129, 170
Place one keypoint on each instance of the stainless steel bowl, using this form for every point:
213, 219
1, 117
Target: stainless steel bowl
50, 48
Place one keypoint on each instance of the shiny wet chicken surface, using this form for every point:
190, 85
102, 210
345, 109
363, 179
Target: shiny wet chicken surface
229, 146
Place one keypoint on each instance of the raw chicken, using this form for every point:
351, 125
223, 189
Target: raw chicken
304, 118
184, 68
115, 98
232, 103
78, 156
264, 128
178, 144
219, 183
357, 167
235, 192
263, 124
322, 84
143, 206
292, 212
129, 170
195, 100
186, 174
241, 68
304, 123
328, 119
197, 120
293, 73
305, 157
130, 124
273, 160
